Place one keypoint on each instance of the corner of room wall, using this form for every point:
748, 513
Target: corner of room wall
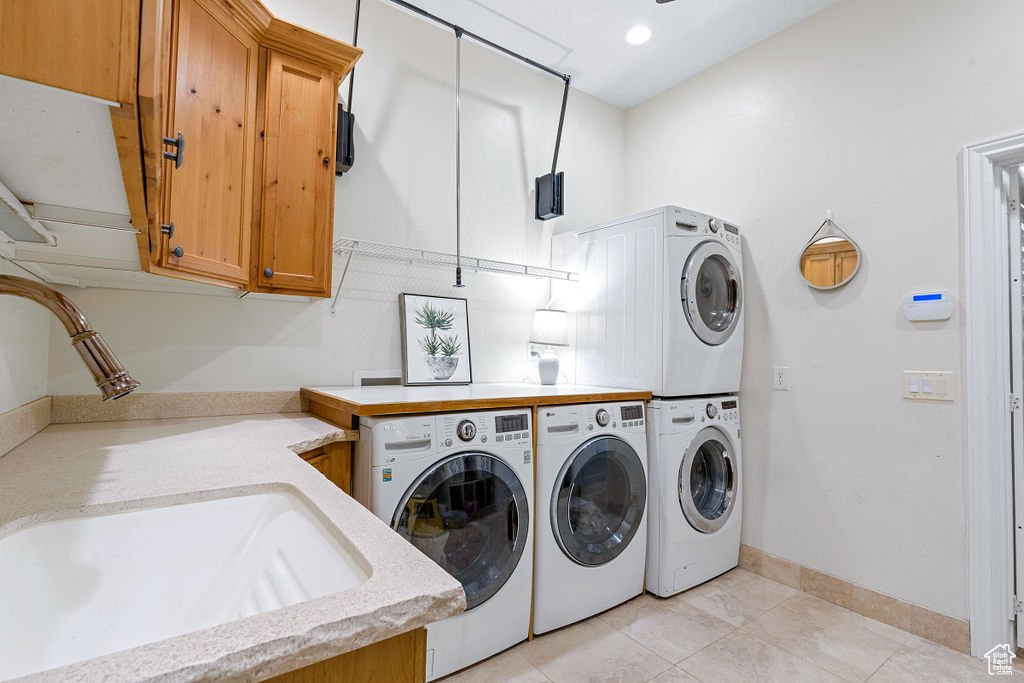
24, 347
842, 474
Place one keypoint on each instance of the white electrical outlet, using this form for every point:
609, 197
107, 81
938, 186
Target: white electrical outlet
780, 379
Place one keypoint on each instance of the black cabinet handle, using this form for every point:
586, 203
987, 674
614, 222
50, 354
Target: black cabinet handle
268, 272
167, 229
178, 252
177, 157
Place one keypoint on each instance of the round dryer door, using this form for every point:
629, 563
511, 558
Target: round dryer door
708, 481
469, 514
598, 501
711, 292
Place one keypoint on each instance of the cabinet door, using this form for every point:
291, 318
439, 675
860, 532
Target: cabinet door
213, 105
298, 177
820, 268
846, 264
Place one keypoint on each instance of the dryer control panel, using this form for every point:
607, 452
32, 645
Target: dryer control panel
686, 222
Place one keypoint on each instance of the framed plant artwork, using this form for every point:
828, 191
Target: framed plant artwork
435, 340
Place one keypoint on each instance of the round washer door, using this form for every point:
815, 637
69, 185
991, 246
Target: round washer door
711, 292
598, 501
468, 513
708, 480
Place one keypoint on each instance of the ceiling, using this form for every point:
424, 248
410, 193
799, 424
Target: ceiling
585, 38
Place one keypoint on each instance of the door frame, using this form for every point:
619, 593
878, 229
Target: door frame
988, 442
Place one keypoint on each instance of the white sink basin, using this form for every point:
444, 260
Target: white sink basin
79, 588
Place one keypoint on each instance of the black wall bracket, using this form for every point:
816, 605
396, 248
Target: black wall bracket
550, 195
551, 187
345, 150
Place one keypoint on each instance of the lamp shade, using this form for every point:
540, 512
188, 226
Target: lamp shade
550, 328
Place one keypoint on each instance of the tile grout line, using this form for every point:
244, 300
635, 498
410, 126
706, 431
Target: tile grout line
802, 659
871, 675
670, 662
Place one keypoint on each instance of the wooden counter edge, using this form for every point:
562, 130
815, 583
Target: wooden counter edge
334, 403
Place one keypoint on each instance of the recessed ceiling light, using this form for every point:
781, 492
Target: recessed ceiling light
638, 35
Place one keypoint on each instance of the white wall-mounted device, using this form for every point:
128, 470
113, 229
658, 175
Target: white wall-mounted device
928, 306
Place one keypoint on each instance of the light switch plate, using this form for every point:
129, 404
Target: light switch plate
929, 386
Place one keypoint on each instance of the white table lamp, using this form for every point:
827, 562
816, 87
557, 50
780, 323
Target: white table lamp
550, 328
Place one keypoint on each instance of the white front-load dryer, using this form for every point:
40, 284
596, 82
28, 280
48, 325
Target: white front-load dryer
591, 520
659, 304
460, 488
696, 507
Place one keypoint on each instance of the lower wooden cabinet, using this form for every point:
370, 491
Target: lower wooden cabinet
334, 461
401, 659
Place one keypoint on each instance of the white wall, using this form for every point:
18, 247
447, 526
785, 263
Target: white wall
23, 348
401, 191
863, 109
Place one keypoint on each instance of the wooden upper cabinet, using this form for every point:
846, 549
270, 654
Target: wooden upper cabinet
208, 197
85, 46
296, 224
249, 201
827, 264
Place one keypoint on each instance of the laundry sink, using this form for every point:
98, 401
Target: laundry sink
82, 587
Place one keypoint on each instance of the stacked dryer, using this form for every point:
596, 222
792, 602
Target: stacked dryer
660, 307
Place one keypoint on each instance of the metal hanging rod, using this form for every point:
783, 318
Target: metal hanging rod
436, 259
482, 40
458, 157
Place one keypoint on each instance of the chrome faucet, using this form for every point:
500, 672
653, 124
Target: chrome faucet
111, 377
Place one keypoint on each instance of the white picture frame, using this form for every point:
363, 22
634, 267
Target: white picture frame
435, 340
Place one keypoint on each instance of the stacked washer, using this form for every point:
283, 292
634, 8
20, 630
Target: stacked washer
696, 508
661, 308
591, 500
459, 487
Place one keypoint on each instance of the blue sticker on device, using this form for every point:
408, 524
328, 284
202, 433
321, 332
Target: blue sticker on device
927, 297
387, 474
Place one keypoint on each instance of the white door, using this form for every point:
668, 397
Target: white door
711, 292
1016, 225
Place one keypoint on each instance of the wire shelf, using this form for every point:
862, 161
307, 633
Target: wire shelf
437, 259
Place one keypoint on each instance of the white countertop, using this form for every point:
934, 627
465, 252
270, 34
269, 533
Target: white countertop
100, 468
514, 393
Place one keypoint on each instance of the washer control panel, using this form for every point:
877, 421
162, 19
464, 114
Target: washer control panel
466, 430
674, 416
482, 429
723, 410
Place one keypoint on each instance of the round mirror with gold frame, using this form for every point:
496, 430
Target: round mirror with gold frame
830, 259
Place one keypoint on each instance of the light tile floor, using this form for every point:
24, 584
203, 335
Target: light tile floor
740, 627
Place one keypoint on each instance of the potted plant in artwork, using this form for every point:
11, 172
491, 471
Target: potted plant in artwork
441, 351
435, 340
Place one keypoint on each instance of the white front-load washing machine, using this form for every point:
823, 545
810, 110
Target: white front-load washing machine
460, 488
591, 521
659, 304
695, 497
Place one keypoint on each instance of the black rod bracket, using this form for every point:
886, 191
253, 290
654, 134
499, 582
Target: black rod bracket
550, 190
